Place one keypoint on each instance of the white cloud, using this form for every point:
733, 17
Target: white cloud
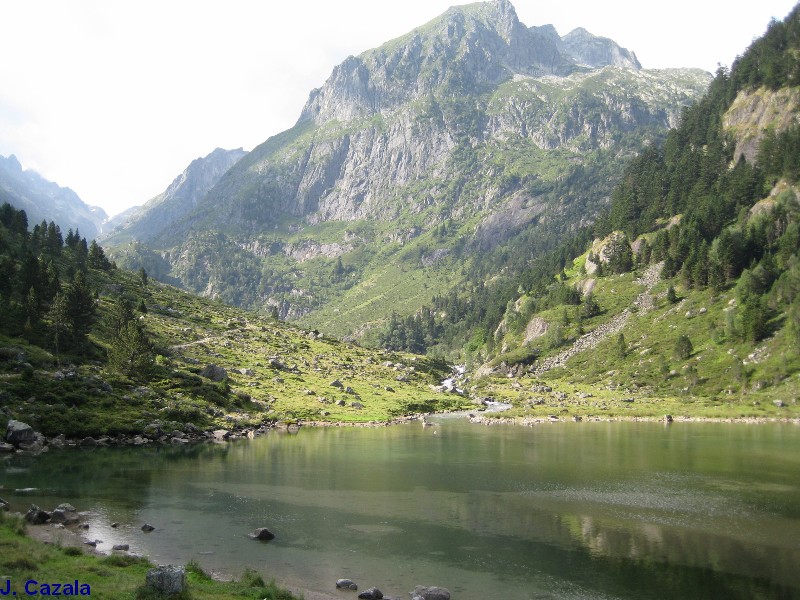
114, 98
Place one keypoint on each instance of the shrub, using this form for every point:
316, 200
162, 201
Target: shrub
252, 578
683, 347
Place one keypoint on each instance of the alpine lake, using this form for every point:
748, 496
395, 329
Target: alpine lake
595, 510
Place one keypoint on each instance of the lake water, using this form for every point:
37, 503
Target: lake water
568, 510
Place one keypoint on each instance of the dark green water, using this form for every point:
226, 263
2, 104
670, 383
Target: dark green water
578, 510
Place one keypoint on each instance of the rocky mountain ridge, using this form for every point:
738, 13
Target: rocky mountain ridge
183, 194
43, 200
473, 125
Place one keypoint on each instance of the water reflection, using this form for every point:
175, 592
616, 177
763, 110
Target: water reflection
565, 511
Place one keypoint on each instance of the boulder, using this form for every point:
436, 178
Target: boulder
36, 516
431, 593
147, 528
167, 580
6, 448
88, 442
4, 505
121, 547
214, 373
221, 434
347, 584
372, 593
152, 431
65, 513
18, 432
262, 534
277, 364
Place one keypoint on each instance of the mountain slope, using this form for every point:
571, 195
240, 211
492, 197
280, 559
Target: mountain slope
149, 221
471, 137
44, 200
106, 351
716, 211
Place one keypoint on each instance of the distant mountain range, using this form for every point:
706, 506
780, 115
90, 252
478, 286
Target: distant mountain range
43, 200
149, 221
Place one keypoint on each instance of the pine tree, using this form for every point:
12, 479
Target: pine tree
131, 352
683, 347
97, 258
621, 346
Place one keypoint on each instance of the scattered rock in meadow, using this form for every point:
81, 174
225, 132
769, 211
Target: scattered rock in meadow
167, 580
214, 372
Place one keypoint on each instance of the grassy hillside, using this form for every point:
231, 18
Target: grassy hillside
75, 377
653, 346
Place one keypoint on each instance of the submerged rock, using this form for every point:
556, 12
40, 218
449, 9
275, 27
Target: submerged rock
433, 592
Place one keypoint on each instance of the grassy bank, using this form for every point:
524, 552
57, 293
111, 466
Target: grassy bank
117, 577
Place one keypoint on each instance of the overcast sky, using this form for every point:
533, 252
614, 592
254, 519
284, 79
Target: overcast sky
115, 98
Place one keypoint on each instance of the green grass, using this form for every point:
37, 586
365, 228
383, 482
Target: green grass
115, 577
723, 378
274, 372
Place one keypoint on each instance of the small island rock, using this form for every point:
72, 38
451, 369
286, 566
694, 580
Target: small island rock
262, 534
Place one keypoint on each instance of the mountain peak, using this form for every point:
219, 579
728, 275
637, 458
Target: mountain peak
463, 52
13, 164
596, 52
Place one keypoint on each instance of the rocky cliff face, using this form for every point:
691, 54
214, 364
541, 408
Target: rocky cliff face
379, 137
473, 125
597, 52
44, 200
754, 112
181, 197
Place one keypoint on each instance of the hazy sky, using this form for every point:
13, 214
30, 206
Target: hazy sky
115, 98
